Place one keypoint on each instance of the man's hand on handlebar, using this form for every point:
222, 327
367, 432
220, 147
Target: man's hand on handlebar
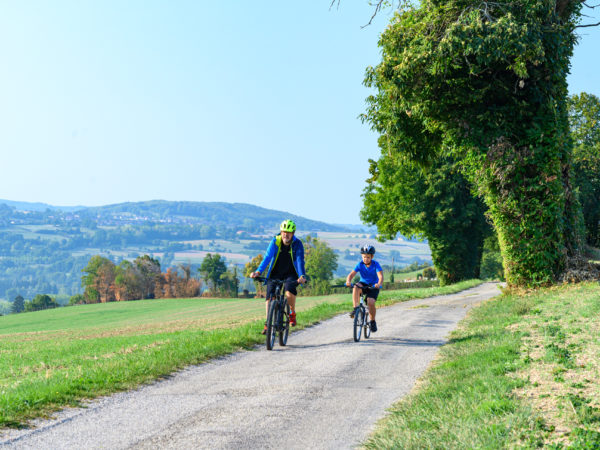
254, 274
302, 279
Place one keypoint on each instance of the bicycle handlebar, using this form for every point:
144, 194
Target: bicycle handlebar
265, 279
351, 285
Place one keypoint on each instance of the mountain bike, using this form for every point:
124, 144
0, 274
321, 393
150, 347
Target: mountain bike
361, 318
278, 317
361, 315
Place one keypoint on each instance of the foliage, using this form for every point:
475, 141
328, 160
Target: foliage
5, 307
250, 267
229, 283
105, 282
486, 82
172, 285
429, 273
320, 259
584, 119
98, 280
432, 202
491, 261
212, 268
413, 266
40, 302
77, 299
149, 270
18, 304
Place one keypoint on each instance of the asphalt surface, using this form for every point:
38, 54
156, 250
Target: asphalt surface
323, 390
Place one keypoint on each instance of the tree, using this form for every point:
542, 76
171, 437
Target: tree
584, 119
251, 267
486, 83
212, 268
320, 259
429, 273
230, 283
491, 262
40, 302
150, 270
129, 282
186, 286
77, 299
433, 202
18, 305
98, 281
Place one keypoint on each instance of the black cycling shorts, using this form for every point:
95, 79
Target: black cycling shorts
290, 285
370, 292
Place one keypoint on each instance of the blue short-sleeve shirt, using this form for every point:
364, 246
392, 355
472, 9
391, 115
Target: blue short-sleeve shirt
368, 274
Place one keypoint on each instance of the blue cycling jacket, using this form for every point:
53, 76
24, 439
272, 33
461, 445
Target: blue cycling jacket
273, 251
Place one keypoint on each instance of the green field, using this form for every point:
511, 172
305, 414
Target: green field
522, 371
58, 357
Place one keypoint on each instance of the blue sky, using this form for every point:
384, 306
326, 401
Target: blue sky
257, 102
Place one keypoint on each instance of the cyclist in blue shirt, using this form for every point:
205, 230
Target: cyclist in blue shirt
285, 261
371, 280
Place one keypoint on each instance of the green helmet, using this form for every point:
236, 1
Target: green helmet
288, 225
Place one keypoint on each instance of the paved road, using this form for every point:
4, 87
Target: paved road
321, 391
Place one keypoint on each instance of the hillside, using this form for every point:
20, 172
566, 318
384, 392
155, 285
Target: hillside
237, 215
43, 248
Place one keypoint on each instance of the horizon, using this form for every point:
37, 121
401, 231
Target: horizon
4, 201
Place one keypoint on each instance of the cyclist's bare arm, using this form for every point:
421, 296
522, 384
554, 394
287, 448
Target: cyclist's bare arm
350, 278
380, 282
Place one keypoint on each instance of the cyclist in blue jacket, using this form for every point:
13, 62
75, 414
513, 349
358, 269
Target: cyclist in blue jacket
371, 279
285, 258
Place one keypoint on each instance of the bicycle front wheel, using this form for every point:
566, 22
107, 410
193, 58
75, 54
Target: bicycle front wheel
285, 324
272, 324
359, 315
367, 326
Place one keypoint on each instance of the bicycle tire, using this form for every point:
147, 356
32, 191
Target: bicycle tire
285, 324
271, 325
358, 322
367, 326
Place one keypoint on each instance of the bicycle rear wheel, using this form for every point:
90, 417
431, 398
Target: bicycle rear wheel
359, 314
285, 324
272, 324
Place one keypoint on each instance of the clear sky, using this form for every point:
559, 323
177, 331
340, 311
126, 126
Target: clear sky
238, 101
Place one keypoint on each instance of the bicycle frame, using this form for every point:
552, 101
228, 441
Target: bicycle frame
278, 316
361, 318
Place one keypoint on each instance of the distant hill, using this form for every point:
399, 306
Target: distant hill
235, 215
242, 215
28, 206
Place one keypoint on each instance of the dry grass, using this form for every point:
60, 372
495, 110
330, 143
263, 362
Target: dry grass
564, 352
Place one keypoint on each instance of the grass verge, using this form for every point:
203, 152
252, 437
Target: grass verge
56, 358
522, 370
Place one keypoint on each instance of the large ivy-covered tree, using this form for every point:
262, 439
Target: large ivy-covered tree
486, 82
432, 202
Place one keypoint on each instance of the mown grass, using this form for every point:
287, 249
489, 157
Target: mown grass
521, 370
56, 358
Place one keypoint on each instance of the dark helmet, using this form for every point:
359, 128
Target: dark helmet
367, 249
